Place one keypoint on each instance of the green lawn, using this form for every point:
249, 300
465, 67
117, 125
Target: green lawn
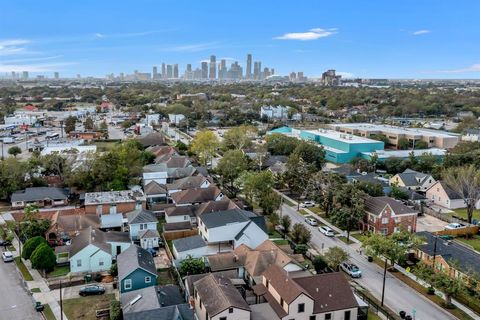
462, 213
303, 212
104, 145
373, 316
84, 308
35, 290
165, 277
317, 210
288, 202
59, 271
344, 239
23, 270
48, 313
274, 235
280, 242
473, 242
359, 236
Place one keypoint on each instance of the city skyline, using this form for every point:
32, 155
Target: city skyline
372, 40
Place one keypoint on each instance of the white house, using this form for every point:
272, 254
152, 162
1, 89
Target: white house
140, 220
274, 112
194, 246
192, 182
149, 239
175, 118
443, 196
472, 135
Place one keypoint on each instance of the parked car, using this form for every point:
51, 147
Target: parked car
307, 204
7, 256
5, 242
311, 221
326, 231
152, 251
8, 140
453, 226
93, 289
351, 269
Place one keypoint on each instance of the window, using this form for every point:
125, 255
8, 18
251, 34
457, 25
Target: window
143, 226
347, 315
148, 279
301, 307
127, 284
267, 284
222, 318
100, 262
312, 318
384, 220
328, 316
79, 262
384, 231
230, 310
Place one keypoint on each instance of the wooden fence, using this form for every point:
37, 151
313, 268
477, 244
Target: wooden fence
173, 235
473, 230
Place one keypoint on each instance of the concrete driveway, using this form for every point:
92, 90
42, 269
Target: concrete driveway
430, 224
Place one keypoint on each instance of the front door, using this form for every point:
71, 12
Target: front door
119, 250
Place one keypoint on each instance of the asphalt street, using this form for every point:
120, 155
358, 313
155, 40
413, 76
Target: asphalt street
398, 296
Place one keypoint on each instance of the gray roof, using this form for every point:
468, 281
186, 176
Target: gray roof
221, 218
97, 238
189, 243
152, 139
187, 183
133, 258
141, 216
452, 252
154, 187
143, 234
452, 194
152, 297
375, 205
412, 177
40, 193
178, 312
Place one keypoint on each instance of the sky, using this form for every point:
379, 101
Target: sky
368, 39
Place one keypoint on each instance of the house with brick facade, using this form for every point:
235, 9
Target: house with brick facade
387, 215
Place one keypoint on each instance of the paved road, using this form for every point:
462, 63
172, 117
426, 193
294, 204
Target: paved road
398, 296
15, 302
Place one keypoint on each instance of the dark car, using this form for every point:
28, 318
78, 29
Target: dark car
4, 242
152, 252
91, 290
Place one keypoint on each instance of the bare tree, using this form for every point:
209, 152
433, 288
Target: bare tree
465, 181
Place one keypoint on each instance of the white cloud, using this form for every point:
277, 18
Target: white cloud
312, 34
12, 46
99, 35
124, 35
472, 68
40, 67
420, 32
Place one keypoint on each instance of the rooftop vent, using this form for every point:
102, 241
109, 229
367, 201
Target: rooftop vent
135, 300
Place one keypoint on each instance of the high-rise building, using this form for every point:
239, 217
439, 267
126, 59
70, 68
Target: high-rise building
188, 72
14, 75
56, 75
235, 72
169, 71
204, 70
257, 70
175, 71
248, 74
25, 75
222, 69
122, 76
197, 74
330, 78
213, 67
164, 71
155, 73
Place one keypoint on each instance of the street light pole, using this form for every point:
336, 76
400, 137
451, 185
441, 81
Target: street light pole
384, 278
61, 301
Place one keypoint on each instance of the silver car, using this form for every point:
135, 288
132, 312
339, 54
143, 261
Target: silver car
326, 231
311, 221
7, 256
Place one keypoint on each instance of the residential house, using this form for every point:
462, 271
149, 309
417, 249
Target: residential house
39, 196
65, 226
86, 135
197, 195
450, 256
387, 215
162, 174
152, 139
412, 180
185, 213
174, 161
216, 298
162, 151
141, 220
155, 192
93, 250
319, 297
472, 135
274, 112
194, 246
442, 195
149, 239
162, 302
136, 269
114, 202
373, 179
186, 183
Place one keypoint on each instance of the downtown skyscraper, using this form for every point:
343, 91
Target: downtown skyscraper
248, 74
213, 67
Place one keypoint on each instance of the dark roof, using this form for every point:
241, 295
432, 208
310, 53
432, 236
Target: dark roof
189, 243
187, 183
213, 206
40, 193
222, 218
172, 226
133, 258
452, 252
412, 177
98, 238
347, 170
152, 139
180, 211
218, 294
178, 312
74, 222
375, 205
154, 187
141, 216
449, 191
202, 170
196, 195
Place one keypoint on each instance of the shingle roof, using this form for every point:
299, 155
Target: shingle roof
196, 195
189, 243
178, 312
375, 205
412, 177
219, 294
452, 194
154, 187
213, 206
222, 218
180, 211
187, 183
133, 258
152, 139
141, 216
39, 193
143, 234
172, 226
98, 238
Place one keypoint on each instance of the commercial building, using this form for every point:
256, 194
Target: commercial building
213, 67
433, 138
248, 75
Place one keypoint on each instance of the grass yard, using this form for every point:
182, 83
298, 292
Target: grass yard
303, 212
84, 308
474, 242
317, 210
462, 213
105, 145
48, 313
288, 202
280, 242
23, 270
59, 271
165, 277
359, 236
35, 290
372, 316
344, 239
274, 235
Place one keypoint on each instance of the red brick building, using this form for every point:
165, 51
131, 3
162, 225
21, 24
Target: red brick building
113, 202
387, 215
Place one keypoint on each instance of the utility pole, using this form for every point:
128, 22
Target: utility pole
434, 251
384, 278
3, 158
61, 301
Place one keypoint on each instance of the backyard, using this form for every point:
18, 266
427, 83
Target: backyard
165, 276
59, 271
474, 242
84, 308
462, 213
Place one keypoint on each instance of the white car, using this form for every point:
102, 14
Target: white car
453, 226
326, 231
311, 221
7, 256
351, 269
307, 204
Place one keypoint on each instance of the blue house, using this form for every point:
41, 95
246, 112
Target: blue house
141, 220
136, 269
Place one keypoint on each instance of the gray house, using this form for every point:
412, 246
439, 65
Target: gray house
40, 196
136, 269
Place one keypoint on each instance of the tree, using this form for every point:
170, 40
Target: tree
279, 144
88, 124
269, 201
349, 208
335, 256
204, 145
231, 165
371, 188
43, 258
239, 137
403, 144
70, 124
398, 193
319, 264
285, 222
301, 249
191, 266
114, 270
298, 175
273, 220
14, 151
13, 175
30, 246
421, 145
465, 182
310, 153
300, 234
322, 188
115, 310
255, 184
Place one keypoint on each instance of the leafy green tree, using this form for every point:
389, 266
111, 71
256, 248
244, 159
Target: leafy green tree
371, 188
298, 175
88, 124
239, 137
301, 249
273, 221
269, 201
30, 246
285, 223
255, 184
14, 151
398, 193
279, 144
319, 264
43, 258
349, 208
115, 310
204, 145
421, 145
69, 125
403, 144
231, 165
322, 188
311, 153
334, 256
114, 270
300, 234
190, 266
